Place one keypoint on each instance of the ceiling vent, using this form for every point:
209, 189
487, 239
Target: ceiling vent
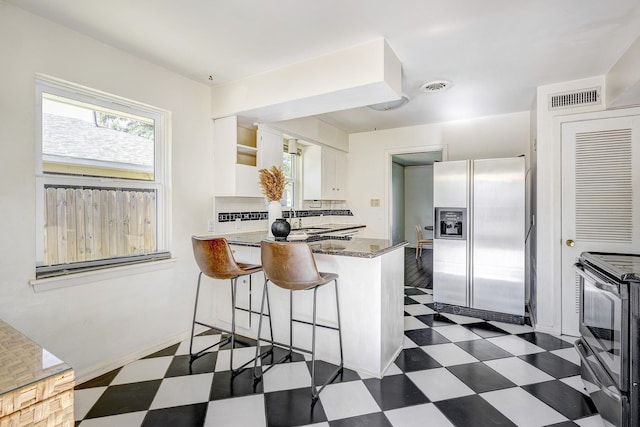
435, 86
579, 98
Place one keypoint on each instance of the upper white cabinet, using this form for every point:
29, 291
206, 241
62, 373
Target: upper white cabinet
325, 172
270, 143
239, 152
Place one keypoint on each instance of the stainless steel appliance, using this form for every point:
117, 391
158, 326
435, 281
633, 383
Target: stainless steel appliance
479, 236
609, 346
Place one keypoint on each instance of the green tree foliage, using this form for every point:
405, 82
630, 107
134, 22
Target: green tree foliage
124, 124
287, 168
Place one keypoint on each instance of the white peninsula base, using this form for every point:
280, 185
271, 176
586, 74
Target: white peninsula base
371, 308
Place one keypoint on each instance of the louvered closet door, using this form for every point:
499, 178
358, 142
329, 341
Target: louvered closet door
600, 197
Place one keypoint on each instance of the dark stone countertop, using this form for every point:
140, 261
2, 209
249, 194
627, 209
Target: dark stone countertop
326, 242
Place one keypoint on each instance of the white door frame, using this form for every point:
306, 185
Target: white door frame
389, 153
554, 298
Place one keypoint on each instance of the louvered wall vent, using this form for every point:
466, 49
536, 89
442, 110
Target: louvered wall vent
574, 99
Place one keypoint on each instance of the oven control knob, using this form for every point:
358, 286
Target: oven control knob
570, 243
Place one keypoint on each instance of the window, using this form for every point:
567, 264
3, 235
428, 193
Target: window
289, 169
101, 166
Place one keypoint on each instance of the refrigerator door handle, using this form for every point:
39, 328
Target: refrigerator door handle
470, 237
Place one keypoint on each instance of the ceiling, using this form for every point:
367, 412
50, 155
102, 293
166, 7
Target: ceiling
495, 52
417, 159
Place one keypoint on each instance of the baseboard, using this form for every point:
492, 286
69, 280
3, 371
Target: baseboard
481, 314
548, 330
393, 359
95, 371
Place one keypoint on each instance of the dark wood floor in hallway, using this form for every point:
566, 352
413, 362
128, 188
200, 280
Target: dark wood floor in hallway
418, 273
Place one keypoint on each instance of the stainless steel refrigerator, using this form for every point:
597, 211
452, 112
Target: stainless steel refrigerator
479, 238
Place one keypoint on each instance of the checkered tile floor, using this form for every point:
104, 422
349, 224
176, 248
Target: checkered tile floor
453, 371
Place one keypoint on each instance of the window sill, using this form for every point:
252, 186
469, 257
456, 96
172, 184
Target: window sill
50, 283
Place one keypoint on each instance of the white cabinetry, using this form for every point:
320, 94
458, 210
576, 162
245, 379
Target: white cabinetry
239, 152
270, 144
325, 172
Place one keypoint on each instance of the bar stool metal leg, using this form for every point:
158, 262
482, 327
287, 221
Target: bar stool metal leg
251, 312
193, 323
235, 372
234, 289
270, 323
257, 378
290, 323
315, 392
335, 285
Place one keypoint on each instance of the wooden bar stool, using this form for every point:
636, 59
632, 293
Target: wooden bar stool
291, 266
215, 259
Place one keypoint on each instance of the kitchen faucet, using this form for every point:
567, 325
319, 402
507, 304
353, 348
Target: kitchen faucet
292, 216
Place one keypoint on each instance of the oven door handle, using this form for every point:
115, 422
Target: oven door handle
585, 363
597, 282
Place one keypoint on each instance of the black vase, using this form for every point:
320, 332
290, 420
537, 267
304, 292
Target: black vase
280, 229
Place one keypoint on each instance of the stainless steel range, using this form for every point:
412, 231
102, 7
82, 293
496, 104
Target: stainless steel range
609, 346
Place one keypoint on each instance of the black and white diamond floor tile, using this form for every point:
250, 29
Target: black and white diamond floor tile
453, 371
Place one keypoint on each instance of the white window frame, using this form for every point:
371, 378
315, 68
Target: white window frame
295, 180
162, 157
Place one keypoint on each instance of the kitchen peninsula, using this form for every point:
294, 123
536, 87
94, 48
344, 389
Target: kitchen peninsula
370, 284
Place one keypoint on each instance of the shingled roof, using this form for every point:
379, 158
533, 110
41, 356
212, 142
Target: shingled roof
76, 138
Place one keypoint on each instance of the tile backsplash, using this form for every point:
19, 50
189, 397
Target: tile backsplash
233, 214
257, 216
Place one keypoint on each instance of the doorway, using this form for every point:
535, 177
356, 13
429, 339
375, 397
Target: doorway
411, 196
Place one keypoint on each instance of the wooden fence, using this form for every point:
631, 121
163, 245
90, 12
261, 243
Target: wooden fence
89, 224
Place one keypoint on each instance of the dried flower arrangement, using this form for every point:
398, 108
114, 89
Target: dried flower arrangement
272, 183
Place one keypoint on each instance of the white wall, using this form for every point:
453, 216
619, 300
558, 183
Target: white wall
418, 193
623, 80
548, 203
370, 156
96, 326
